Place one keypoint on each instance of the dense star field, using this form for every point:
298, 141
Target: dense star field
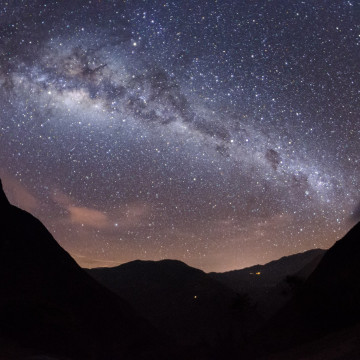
221, 133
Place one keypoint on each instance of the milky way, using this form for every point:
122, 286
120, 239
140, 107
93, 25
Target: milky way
221, 133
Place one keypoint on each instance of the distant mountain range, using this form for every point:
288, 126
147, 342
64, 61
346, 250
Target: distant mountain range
322, 320
271, 285
205, 308
304, 306
271, 273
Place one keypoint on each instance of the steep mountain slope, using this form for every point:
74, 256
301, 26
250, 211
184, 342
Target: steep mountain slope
184, 301
327, 305
271, 285
49, 305
269, 274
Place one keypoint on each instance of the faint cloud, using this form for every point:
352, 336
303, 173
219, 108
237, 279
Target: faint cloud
88, 217
81, 215
126, 216
132, 215
17, 193
61, 199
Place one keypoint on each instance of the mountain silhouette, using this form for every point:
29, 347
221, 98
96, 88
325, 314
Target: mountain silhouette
185, 302
50, 306
325, 310
271, 285
269, 274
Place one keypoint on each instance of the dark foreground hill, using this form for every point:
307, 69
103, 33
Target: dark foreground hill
273, 284
323, 318
185, 302
49, 305
52, 309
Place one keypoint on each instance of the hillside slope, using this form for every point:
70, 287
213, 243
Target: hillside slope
186, 302
325, 308
272, 285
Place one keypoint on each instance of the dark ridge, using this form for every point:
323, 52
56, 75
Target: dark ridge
273, 284
290, 263
204, 315
326, 306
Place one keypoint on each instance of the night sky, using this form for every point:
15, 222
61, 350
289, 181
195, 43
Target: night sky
220, 133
